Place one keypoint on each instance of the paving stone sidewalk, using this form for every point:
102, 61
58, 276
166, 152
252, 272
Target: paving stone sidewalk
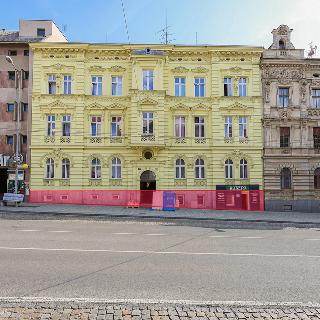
91, 311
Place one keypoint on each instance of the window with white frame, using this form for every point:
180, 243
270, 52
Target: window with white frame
179, 86
52, 84
147, 123
315, 96
116, 126
95, 126
228, 127
227, 87
65, 169
66, 125
199, 127
199, 87
199, 169
50, 168
283, 97
242, 87
51, 125
96, 85
243, 127
228, 169
116, 168
243, 169
95, 168
67, 84
116, 86
180, 169
147, 79
180, 127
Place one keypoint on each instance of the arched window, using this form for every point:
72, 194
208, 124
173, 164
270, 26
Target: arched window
199, 169
282, 45
285, 178
180, 169
317, 178
116, 168
50, 168
228, 169
65, 169
95, 168
243, 169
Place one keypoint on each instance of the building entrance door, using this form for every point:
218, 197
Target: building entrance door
147, 185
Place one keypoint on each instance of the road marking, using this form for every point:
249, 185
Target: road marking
59, 231
164, 252
28, 230
250, 237
234, 237
155, 234
123, 233
219, 236
312, 239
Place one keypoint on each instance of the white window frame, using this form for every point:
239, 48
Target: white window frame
66, 120
67, 84
199, 169
65, 166
180, 86
180, 169
242, 87
227, 82
116, 85
243, 169
200, 126
148, 79
52, 84
228, 171
95, 168
94, 120
51, 125
96, 85
148, 117
180, 126
283, 105
116, 168
228, 127
315, 99
199, 82
243, 129
116, 121
50, 168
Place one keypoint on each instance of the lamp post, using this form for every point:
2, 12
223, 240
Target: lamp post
18, 112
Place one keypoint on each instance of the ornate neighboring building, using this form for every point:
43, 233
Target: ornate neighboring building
110, 121
291, 120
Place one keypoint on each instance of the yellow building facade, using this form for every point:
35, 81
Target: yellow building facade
109, 120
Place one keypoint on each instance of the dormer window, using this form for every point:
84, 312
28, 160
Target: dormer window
282, 45
41, 32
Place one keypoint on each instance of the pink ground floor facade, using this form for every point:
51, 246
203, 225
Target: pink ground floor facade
250, 200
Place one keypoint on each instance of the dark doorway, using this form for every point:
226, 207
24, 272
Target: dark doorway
147, 186
3, 180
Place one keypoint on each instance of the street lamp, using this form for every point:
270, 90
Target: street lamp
17, 156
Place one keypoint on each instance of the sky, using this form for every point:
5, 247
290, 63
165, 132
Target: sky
243, 22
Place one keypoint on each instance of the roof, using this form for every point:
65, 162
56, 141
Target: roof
13, 36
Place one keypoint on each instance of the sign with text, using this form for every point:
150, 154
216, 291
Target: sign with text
13, 197
169, 201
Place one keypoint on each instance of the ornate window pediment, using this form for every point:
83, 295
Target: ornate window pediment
180, 70
58, 68
95, 106
237, 106
200, 106
200, 70
57, 155
180, 106
236, 156
96, 69
148, 101
117, 106
57, 107
116, 68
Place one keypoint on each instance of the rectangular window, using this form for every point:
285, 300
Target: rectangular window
199, 127
283, 97
116, 86
199, 87
25, 107
66, 125
227, 87
95, 126
147, 79
10, 107
9, 140
315, 93
180, 127
242, 87
52, 84
243, 127
284, 137
116, 126
147, 123
12, 52
11, 75
67, 84
41, 32
228, 127
316, 137
179, 86
96, 85
51, 125
25, 75
26, 53
24, 139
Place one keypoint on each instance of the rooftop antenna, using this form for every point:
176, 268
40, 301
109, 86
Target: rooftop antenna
165, 34
196, 38
64, 28
312, 51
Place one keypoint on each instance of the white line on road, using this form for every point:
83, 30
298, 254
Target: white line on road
155, 234
60, 231
123, 233
165, 252
28, 230
250, 237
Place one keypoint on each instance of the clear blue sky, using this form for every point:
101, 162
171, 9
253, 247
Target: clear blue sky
216, 21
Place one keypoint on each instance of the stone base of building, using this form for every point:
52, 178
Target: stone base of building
249, 200
303, 205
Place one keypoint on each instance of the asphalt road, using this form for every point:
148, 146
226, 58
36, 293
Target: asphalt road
157, 261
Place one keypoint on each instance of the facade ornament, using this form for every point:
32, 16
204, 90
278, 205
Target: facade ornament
98, 69
200, 70
267, 90
303, 90
116, 69
180, 70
